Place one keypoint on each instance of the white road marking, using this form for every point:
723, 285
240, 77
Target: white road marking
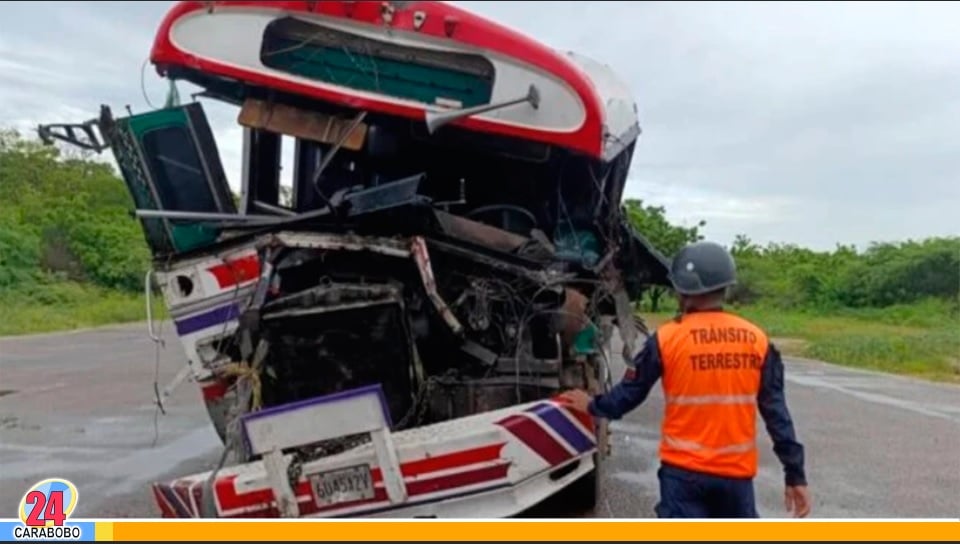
55, 449
834, 385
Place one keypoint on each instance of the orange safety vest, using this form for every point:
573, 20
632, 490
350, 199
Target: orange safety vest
711, 376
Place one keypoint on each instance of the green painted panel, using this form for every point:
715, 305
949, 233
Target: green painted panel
586, 341
142, 123
394, 78
191, 235
139, 184
184, 235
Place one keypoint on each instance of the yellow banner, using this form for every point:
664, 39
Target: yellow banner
522, 531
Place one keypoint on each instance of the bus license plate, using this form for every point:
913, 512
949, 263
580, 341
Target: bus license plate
342, 485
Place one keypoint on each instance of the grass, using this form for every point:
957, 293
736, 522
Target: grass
920, 340
61, 305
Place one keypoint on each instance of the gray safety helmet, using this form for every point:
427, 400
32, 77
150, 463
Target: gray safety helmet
701, 268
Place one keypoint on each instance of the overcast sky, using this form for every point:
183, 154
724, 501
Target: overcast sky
812, 123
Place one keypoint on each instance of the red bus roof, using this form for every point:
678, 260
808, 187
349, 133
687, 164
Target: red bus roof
583, 105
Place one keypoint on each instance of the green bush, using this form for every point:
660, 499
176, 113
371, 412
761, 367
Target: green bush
67, 217
19, 254
887, 274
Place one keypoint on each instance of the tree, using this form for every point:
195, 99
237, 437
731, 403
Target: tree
67, 215
744, 246
651, 221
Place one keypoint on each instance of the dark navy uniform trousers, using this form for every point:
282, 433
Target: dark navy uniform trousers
687, 494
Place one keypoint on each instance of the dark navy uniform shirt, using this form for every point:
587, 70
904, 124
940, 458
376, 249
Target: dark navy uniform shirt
771, 402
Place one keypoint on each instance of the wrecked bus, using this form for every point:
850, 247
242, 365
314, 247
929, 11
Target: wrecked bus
386, 339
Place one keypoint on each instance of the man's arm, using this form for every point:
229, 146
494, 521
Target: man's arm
631, 391
772, 404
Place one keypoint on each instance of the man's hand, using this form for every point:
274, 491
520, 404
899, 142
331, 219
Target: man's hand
576, 399
797, 500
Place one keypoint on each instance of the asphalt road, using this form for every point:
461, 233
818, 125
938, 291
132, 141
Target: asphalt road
79, 406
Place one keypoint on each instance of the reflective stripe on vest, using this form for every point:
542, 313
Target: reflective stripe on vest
730, 399
711, 376
687, 445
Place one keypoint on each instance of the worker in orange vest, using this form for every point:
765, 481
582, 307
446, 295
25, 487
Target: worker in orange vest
718, 370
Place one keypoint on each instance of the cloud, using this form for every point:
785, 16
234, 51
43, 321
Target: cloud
807, 122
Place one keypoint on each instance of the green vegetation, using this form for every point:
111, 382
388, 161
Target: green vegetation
667, 238
894, 307
926, 343
66, 305
72, 256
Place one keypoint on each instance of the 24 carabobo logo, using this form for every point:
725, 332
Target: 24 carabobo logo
44, 510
